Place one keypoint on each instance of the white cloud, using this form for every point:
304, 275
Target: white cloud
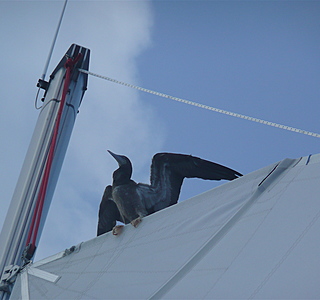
111, 116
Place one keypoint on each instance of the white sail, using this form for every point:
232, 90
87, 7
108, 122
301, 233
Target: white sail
252, 238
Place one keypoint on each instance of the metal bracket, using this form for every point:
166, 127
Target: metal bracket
8, 277
9, 273
42, 84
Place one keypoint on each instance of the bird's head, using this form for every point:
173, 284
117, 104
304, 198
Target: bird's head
124, 172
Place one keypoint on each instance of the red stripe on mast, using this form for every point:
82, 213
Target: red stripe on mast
35, 223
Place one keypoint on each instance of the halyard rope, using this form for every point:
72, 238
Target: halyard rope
221, 111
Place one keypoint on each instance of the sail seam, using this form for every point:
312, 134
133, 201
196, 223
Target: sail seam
215, 239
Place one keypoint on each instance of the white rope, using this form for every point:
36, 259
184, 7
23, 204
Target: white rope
221, 111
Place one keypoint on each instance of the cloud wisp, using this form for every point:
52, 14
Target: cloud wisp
110, 117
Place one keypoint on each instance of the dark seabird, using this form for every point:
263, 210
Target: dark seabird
129, 201
108, 212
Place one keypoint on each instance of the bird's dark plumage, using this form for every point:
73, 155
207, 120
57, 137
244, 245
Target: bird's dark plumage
128, 200
108, 212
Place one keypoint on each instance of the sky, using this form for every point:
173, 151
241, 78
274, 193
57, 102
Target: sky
257, 58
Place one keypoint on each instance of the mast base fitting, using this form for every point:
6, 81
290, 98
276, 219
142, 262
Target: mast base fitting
8, 278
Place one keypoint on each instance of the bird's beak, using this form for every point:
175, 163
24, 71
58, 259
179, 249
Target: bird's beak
119, 158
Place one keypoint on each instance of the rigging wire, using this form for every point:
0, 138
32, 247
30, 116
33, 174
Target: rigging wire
222, 111
50, 52
36, 100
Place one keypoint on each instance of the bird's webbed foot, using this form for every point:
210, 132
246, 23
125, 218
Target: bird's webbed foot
136, 222
117, 230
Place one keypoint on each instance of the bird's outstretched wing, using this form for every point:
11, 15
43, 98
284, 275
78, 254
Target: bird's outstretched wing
176, 167
108, 212
189, 166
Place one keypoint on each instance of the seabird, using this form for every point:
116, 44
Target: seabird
128, 201
108, 212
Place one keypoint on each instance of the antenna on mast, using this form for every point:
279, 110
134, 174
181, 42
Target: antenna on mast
42, 84
53, 43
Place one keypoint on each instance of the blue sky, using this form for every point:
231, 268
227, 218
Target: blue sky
258, 58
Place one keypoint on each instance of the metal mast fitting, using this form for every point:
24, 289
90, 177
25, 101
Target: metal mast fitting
40, 171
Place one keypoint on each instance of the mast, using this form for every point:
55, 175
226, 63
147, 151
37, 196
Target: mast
40, 171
